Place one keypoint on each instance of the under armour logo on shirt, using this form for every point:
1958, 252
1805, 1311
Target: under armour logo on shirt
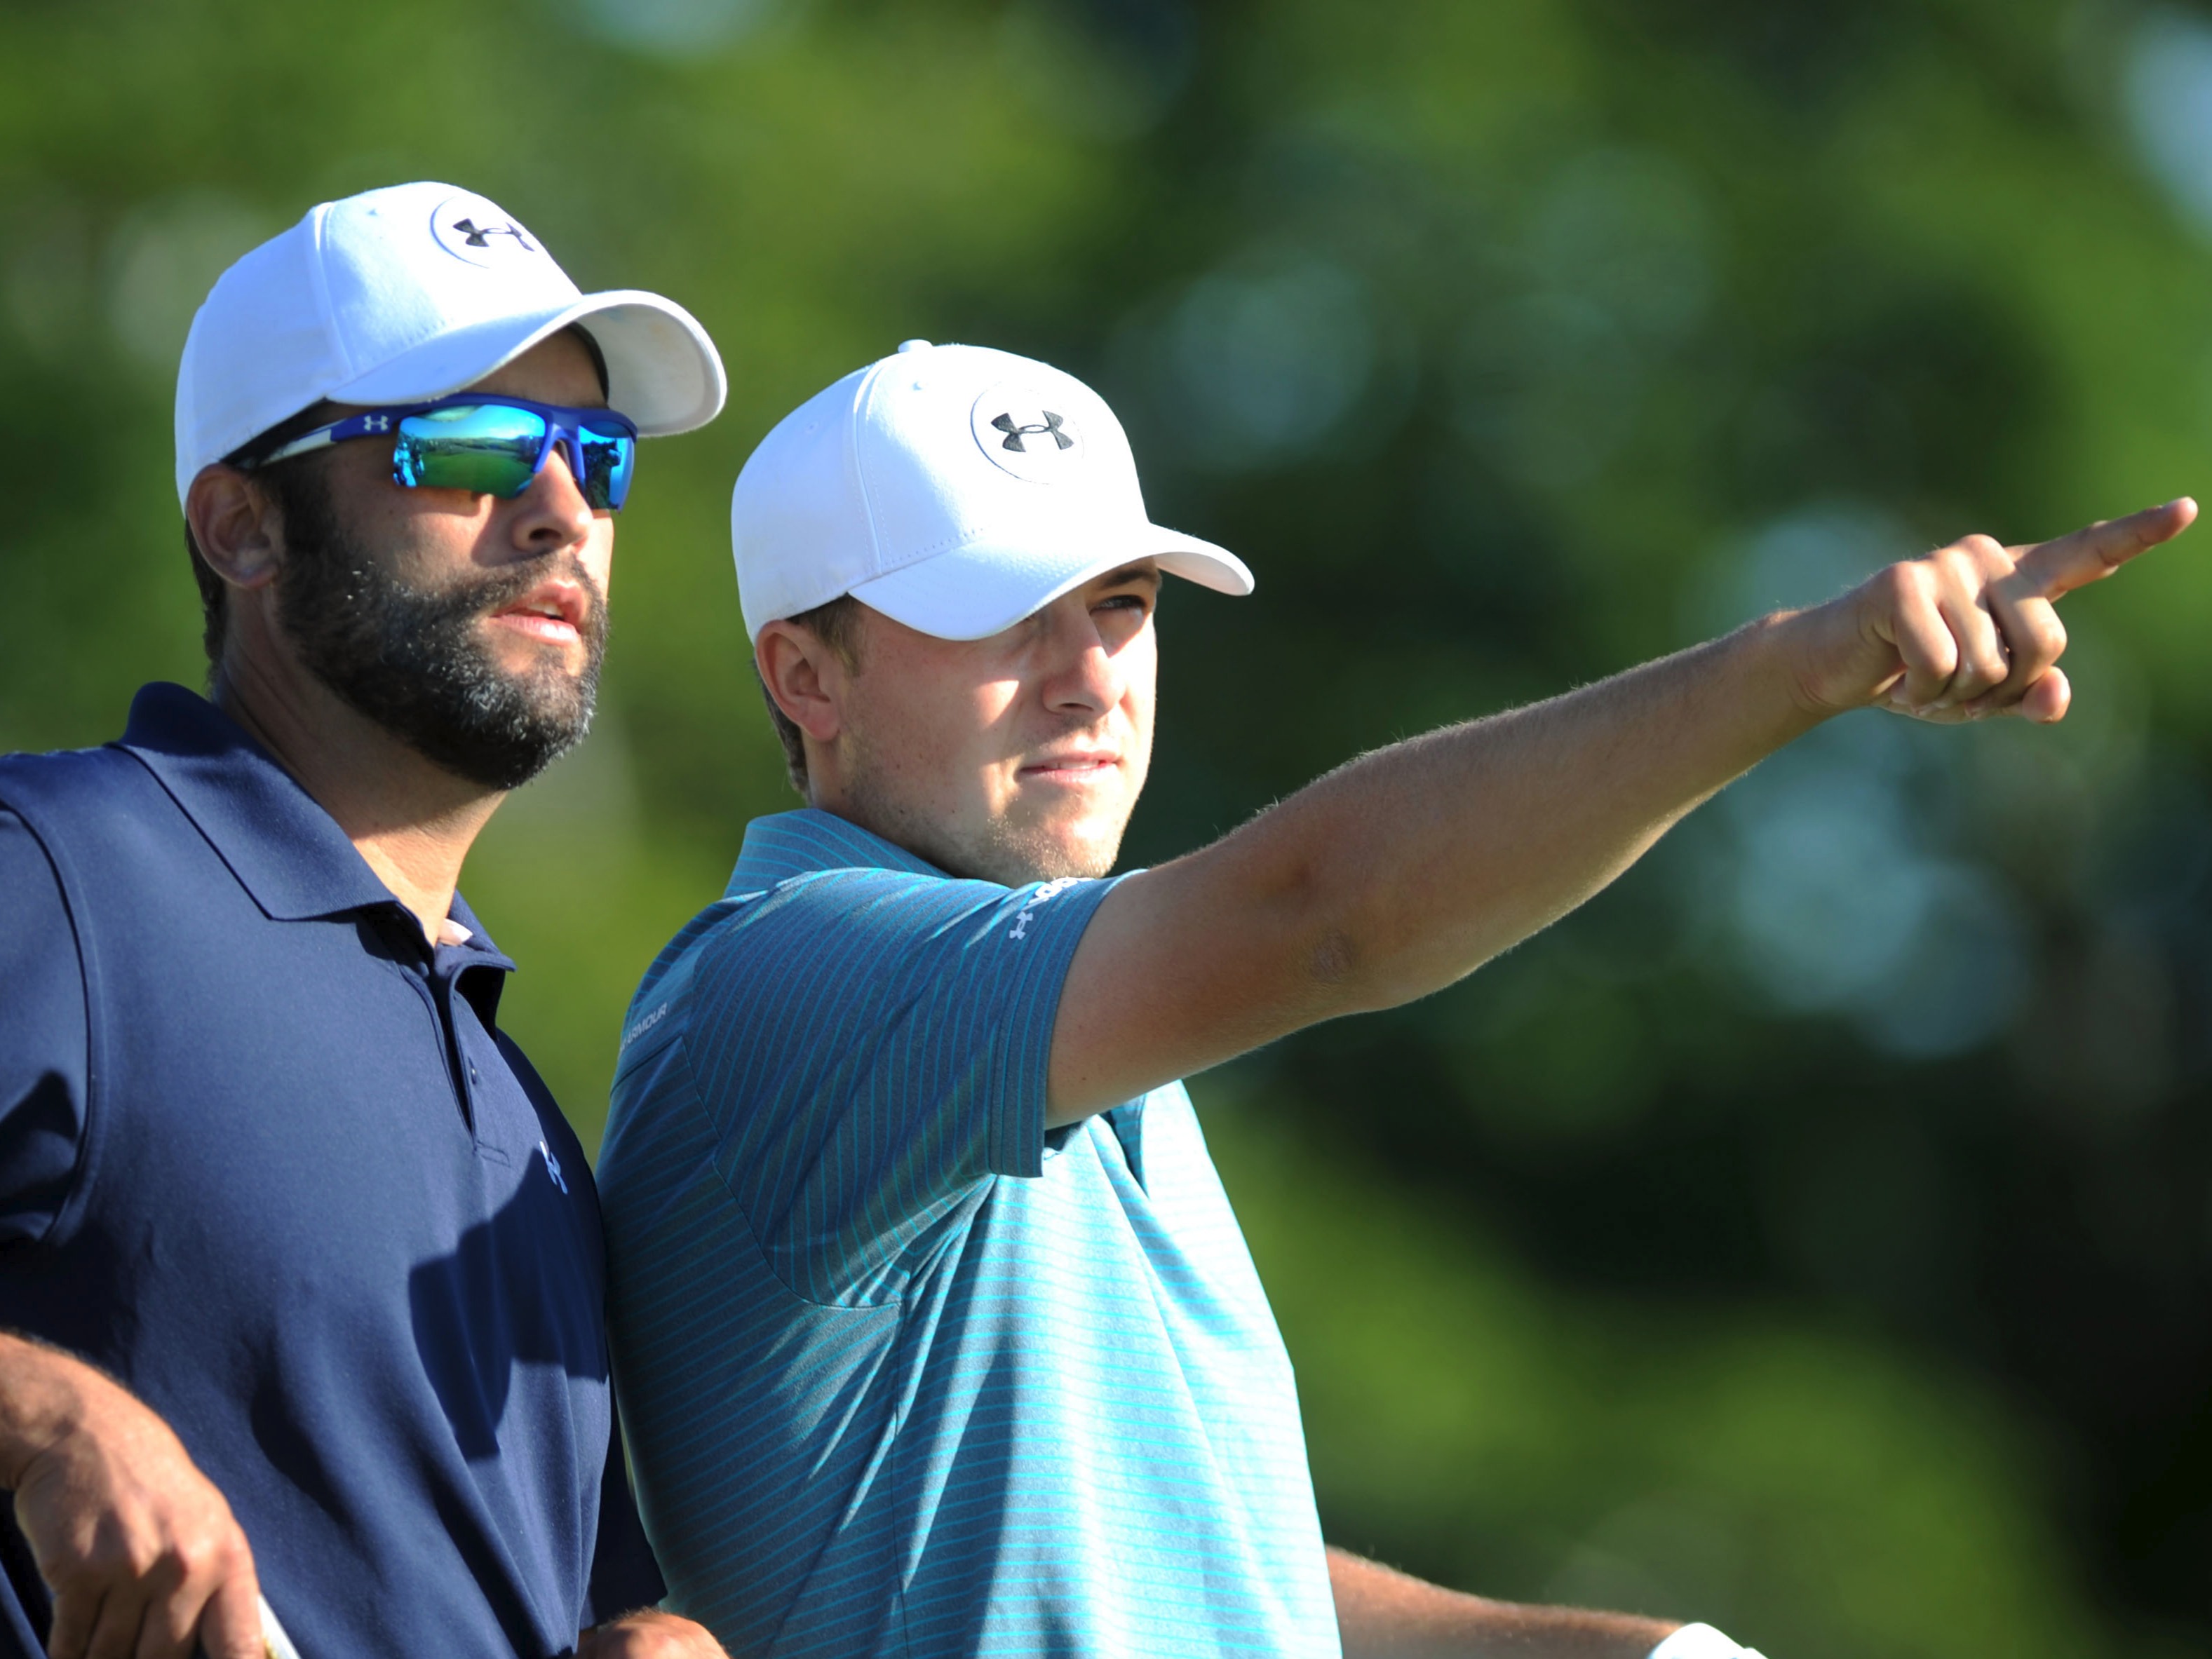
1051, 890
376, 424
1051, 423
552, 1165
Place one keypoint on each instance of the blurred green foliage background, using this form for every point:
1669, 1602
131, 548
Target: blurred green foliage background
1814, 1235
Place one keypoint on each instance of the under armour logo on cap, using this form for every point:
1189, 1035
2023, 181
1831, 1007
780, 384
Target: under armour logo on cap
1051, 423
471, 228
478, 235
1014, 428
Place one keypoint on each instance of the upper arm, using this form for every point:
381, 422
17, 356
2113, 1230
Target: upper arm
1190, 964
44, 1038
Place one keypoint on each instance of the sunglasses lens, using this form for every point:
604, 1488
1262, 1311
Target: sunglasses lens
609, 458
486, 449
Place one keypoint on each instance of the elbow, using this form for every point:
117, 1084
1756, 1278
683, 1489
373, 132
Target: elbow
1377, 957
1320, 926
1335, 941
1333, 961
1339, 950
1344, 974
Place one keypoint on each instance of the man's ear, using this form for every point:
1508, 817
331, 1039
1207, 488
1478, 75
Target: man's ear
237, 529
806, 678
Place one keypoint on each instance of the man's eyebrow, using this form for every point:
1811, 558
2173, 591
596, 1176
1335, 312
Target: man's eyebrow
1147, 574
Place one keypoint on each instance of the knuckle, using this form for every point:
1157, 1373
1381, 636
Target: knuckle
133, 1557
78, 1569
168, 1568
207, 1537
2042, 642
1981, 548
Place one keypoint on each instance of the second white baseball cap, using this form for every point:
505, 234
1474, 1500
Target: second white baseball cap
409, 293
953, 487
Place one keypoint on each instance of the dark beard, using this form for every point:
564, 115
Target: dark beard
411, 659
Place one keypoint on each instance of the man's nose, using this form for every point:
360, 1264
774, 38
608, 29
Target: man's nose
1089, 678
553, 514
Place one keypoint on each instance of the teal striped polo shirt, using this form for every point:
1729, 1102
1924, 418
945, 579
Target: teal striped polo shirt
903, 1373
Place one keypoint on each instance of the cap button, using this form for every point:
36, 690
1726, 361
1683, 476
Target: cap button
914, 345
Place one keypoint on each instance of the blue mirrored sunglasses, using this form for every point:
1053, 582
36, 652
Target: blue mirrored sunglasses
491, 445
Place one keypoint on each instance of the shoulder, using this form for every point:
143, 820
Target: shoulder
77, 799
847, 935
824, 913
60, 778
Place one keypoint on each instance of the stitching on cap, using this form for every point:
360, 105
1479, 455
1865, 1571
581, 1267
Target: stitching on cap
931, 549
867, 390
325, 309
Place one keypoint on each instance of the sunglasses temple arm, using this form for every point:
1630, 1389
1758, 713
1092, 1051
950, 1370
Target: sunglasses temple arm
322, 438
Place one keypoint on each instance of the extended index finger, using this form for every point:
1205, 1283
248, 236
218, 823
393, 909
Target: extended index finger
2092, 554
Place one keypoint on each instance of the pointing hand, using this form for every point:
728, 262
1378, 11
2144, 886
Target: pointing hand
1972, 629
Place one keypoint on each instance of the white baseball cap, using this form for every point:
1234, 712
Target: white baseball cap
953, 487
406, 293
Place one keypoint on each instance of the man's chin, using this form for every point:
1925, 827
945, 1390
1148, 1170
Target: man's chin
1055, 853
1015, 855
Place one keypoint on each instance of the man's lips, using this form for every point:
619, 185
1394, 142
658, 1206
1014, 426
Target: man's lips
554, 613
1085, 766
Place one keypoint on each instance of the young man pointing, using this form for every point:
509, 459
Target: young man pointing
936, 1331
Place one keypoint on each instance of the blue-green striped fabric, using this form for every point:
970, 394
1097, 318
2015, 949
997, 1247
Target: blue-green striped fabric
903, 1374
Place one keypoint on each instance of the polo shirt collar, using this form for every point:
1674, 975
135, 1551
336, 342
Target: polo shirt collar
286, 851
808, 842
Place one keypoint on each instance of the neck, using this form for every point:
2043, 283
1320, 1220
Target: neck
413, 822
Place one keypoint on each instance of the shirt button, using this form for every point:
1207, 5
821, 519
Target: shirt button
472, 1072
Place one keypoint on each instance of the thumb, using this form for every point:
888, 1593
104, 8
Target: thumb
2046, 701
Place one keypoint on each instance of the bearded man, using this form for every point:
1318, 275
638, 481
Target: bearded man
301, 1264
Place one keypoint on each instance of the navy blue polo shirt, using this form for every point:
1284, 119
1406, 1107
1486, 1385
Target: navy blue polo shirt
266, 1157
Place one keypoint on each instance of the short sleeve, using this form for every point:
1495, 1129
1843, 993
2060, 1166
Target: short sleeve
625, 1577
869, 1045
44, 1041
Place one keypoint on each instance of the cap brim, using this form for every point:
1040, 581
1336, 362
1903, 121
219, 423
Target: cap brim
662, 370
978, 589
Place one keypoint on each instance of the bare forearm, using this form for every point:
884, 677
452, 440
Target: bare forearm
1409, 868
1383, 1615
43, 1397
